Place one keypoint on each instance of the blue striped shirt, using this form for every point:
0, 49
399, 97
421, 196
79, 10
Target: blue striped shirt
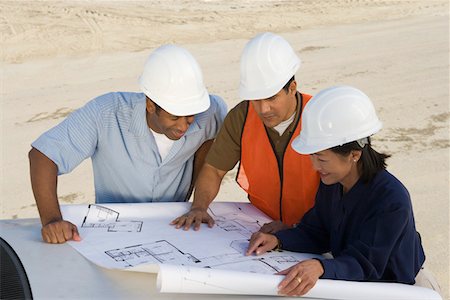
112, 130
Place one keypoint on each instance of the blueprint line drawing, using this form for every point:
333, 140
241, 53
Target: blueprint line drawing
102, 217
157, 252
220, 247
163, 252
236, 221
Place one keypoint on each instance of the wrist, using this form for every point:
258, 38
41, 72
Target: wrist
51, 220
322, 268
199, 208
279, 245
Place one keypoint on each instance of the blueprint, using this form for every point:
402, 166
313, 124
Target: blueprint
139, 237
123, 236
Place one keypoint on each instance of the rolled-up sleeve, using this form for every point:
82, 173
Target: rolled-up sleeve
73, 140
219, 112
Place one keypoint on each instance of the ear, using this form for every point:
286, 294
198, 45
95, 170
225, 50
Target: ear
293, 87
355, 155
150, 106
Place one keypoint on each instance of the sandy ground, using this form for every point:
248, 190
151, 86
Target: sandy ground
58, 55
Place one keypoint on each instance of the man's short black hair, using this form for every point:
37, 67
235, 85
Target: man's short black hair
157, 107
286, 86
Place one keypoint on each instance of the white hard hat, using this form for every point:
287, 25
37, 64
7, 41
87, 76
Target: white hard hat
172, 79
267, 64
336, 116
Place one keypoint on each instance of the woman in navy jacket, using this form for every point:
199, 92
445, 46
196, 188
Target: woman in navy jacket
362, 215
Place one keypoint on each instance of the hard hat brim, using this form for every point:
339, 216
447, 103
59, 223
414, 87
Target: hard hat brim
264, 92
300, 144
191, 107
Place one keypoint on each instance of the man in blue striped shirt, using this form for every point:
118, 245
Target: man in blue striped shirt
145, 147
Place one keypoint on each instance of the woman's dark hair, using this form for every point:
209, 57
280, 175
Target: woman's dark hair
370, 163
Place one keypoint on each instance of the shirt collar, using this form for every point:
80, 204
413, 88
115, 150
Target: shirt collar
298, 109
194, 127
138, 124
291, 128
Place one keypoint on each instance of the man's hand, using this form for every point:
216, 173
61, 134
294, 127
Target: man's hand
273, 227
195, 217
206, 188
59, 232
260, 243
300, 278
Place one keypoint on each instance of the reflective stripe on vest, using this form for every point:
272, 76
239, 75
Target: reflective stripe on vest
259, 175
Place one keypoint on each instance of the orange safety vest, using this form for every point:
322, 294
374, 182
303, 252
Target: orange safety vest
287, 198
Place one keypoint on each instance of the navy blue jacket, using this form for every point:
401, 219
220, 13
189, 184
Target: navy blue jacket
369, 230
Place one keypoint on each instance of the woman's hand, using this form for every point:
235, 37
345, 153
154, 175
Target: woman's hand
300, 278
260, 243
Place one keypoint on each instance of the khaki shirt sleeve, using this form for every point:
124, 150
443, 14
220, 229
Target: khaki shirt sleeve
226, 149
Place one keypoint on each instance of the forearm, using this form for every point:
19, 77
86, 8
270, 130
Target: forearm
207, 186
44, 174
199, 159
300, 240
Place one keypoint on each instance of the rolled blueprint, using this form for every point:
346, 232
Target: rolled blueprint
186, 279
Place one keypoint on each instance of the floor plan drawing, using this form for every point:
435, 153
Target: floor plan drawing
163, 252
237, 221
126, 236
157, 252
102, 217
